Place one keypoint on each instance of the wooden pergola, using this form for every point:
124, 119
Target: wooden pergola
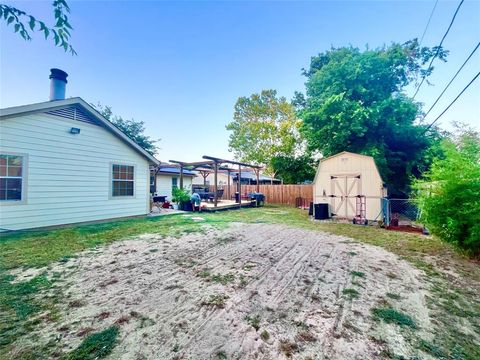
214, 164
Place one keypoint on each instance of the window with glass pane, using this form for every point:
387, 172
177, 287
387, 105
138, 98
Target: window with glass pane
11, 177
122, 180
174, 183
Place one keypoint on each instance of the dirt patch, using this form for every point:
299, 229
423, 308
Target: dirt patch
248, 292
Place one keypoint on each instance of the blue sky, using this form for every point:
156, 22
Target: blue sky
180, 66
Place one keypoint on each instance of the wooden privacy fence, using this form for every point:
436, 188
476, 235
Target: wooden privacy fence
275, 194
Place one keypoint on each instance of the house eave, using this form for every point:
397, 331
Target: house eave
57, 104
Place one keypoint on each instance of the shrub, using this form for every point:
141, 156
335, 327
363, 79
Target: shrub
449, 193
180, 196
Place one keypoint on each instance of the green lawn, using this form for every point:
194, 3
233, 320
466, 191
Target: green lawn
20, 304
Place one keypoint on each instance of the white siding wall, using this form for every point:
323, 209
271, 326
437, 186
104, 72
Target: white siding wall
349, 163
221, 178
69, 176
164, 184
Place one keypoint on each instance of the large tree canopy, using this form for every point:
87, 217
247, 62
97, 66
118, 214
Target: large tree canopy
132, 128
294, 170
24, 24
264, 126
355, 102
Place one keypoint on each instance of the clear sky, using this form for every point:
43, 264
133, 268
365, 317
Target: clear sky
180, 66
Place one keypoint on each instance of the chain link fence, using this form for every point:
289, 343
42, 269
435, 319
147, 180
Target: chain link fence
398, 212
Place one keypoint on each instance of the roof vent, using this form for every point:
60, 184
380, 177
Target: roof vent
58, 83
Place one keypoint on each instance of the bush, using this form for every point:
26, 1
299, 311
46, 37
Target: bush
180, 196
449, 193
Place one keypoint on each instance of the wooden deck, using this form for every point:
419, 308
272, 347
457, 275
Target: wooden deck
224, 205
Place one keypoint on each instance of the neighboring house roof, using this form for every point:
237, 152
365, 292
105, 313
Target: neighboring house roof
175, 171
87, 113
249, 175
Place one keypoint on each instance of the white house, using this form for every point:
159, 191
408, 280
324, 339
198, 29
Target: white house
62, 162
248, 178
167, 178
222, 178
342, 178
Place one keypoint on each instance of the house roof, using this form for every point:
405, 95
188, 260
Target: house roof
250, 175
175, 171
90, 110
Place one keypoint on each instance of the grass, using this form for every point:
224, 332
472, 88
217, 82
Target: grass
40, 248
215, 300
21, 304
253, 321
350, 293
95, 346
392, 316
393, 296
265, 335
224, 279
357, 274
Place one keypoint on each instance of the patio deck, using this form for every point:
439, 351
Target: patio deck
224, 205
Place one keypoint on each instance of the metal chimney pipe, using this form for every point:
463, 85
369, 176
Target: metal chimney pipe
58, 83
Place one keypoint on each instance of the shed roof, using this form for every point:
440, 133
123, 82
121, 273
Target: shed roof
76, 101
345, 153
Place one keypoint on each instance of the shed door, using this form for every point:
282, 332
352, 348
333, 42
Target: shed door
344, 190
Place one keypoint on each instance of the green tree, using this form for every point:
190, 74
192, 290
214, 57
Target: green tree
264, 126
355, 101
294, 170
132, 128
24, 24
449, 193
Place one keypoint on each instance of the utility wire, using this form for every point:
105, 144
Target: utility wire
428, 23
444, 111
438, 48
446, 87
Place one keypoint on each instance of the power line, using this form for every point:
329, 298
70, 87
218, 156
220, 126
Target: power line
439, 47
428, 22
446, 87
448, 107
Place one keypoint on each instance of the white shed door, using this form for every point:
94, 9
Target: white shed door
344, 191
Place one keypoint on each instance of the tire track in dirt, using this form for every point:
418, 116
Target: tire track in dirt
299, 259
203, 324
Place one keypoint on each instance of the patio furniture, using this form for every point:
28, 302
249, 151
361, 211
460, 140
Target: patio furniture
258, 198
211, 195
159, 198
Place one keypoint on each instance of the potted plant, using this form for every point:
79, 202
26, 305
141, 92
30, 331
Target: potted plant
181, 197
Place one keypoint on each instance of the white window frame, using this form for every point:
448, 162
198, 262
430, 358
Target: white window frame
111, 196
24, 177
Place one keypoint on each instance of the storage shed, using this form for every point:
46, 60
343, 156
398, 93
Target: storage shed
345, 180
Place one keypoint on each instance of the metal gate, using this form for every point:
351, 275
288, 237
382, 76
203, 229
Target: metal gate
404, 211
345, 189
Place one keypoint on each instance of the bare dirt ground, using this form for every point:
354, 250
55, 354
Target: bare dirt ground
253, 291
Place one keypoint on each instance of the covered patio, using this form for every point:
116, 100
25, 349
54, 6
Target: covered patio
211, 200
